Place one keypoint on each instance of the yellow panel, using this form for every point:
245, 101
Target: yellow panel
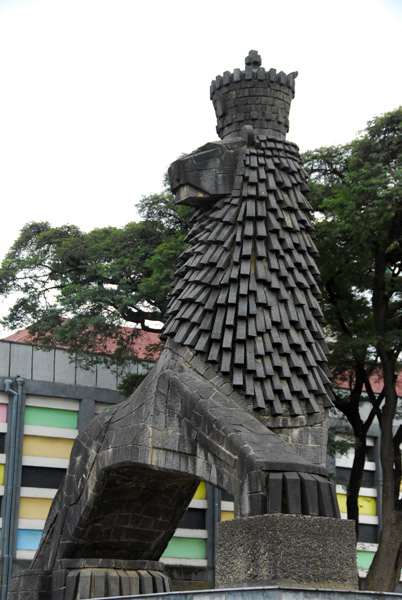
227, 515
342, 503
34, 508
200, 494
367, 504
1, 474
47, 447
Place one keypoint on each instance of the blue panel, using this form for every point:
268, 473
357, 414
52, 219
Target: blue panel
28, 539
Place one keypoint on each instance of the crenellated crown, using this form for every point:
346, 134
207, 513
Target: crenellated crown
253, 97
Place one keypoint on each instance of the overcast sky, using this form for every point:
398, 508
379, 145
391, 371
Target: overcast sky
98, 97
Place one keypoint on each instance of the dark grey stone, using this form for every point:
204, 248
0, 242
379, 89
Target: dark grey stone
243, 369
286, 550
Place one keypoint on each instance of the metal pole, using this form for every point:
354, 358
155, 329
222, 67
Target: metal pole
212, 518
8, 487
14, 432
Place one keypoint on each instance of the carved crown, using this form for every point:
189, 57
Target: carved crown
253, 97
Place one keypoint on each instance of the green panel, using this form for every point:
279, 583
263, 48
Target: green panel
51, 417
185, 548
364, 559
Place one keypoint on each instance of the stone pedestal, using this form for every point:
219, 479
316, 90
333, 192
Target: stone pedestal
92, 578
286, 550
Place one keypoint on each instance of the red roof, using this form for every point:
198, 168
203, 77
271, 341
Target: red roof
145, 339
140, 343
377, 383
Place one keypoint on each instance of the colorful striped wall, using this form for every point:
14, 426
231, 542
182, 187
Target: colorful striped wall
3, 430
50, 427
189, 543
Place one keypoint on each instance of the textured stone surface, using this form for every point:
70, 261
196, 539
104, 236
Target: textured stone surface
92, 578
246, 295
240, 394
253, 95
286, 550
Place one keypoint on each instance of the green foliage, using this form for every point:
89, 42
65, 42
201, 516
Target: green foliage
78, 290
339, 441
326, 169
129, 383
357, 195
161, 208
162, 265
359, 237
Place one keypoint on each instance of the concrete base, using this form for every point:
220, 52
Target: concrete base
286, 550
274, 593
91, 578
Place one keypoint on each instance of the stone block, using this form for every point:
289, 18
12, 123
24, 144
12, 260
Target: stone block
64, 369
43, 365
301, 435
286, 550
311, 454
5, 348
105, 378
85, 376
21, 361
319, 435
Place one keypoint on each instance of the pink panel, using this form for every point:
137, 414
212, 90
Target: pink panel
3, 413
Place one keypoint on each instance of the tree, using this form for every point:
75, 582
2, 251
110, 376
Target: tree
357, 190
78, 290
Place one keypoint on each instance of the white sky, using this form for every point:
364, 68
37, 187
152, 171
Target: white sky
98, 97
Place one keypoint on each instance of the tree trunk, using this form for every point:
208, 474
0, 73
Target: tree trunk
360, 428
386, 567
355, 479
